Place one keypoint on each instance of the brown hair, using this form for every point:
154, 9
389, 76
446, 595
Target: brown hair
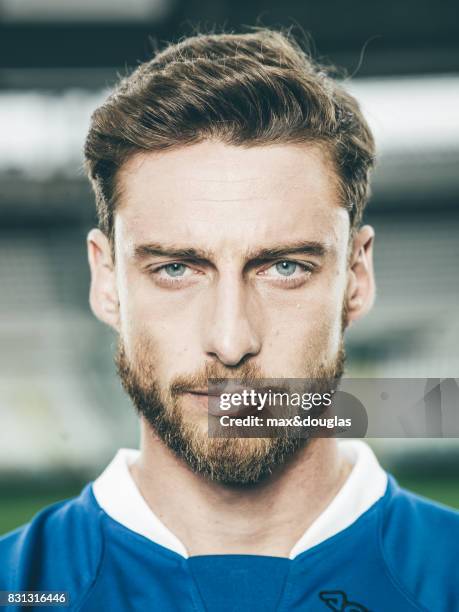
243, 89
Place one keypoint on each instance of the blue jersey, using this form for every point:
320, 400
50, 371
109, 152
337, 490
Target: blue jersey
401, 555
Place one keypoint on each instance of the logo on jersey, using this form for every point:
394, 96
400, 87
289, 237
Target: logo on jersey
338, 601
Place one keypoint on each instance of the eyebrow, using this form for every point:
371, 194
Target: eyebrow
314, 248
143, 251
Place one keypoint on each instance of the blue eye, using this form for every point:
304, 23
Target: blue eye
175, 269
286, 268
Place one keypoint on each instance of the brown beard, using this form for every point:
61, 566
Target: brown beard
229, 461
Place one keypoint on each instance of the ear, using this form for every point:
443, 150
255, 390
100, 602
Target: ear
103, 295
360, 292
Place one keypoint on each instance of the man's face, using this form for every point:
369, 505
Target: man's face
230, 262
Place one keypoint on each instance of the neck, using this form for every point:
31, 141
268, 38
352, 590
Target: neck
264, 519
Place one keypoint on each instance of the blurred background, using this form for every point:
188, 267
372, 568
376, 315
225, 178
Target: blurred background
62, 412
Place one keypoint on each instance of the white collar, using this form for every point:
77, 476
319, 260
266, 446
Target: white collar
117, 494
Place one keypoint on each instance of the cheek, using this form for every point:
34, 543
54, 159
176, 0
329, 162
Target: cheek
308, 326
155, 326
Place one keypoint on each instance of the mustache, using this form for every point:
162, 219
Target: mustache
216, 375
218, 380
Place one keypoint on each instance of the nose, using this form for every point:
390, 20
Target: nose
230, 329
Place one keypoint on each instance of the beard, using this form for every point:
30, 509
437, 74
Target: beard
228, 461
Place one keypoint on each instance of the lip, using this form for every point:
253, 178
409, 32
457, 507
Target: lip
215, 394
213, 408
217, 389
205, 401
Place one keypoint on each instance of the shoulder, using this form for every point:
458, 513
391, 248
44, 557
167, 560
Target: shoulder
412, 520
59, 549
420, 544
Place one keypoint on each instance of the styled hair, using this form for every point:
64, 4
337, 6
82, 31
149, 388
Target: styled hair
248, 89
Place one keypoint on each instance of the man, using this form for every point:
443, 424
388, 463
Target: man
231, 175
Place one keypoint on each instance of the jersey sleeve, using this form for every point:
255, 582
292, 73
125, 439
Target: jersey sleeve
59, 550
420, 543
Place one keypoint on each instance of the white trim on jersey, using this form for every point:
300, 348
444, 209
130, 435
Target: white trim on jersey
366, 483
117, 494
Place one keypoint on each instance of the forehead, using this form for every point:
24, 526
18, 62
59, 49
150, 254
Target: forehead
213, 195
